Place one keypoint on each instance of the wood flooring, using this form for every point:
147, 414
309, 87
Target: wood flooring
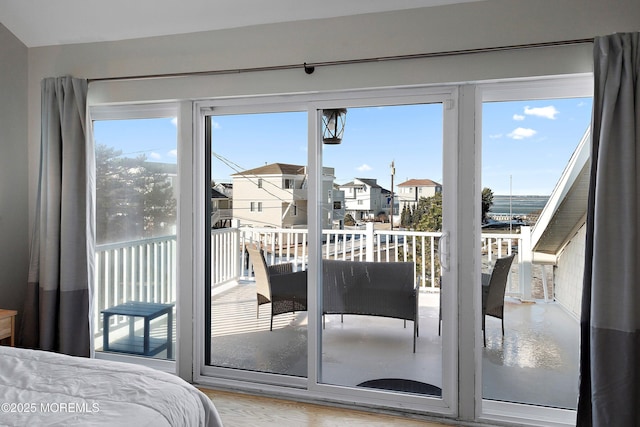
241, 410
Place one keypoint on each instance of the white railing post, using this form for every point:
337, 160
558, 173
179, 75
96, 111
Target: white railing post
239, 259
525, 263
369, 241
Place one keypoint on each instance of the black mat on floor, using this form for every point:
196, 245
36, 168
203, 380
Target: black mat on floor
407, 386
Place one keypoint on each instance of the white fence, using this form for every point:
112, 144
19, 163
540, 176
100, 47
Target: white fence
145, 270
290, 246
141, 270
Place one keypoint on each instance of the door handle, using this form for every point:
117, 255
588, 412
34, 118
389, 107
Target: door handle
443, 249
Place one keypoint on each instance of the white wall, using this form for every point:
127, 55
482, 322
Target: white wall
14, 249
444, 28
569, 273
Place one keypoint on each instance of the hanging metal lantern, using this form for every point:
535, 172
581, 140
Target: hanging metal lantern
333, 125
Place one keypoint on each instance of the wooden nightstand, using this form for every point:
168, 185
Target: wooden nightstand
8, 326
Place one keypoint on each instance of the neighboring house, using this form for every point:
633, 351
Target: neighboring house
225, 188
410, 191
221, 208
337, 210
169, 169
275, 195
558, 237
365, 199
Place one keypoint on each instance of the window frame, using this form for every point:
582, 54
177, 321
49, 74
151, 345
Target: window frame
444, 95
140, 112
530, 89
467, 404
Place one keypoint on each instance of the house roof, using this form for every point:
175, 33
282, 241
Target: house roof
215, 194
371, 182
168, 168
419, 183
566, 209
275, 169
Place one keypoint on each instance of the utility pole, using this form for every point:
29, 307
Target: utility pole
393, 172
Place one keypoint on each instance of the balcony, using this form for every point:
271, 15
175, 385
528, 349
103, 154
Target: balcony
535, 362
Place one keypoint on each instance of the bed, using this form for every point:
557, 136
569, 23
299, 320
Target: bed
43, 388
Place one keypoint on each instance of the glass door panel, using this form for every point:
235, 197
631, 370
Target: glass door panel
136, 191
535, 159
382, 220
258, 222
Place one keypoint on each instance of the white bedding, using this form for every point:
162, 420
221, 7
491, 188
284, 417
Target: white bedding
39, 388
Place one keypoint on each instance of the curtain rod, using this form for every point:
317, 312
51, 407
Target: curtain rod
310, 67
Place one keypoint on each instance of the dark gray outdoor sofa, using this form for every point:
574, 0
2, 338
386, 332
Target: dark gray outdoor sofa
384, 289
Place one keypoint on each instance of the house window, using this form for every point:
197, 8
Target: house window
256, 207
337, 205
288, 184
360, 202
259, 182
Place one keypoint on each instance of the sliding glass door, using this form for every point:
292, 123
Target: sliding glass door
281, 206
257, 217
381, 270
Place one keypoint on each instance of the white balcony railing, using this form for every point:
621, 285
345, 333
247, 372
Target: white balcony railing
141, 270
145, 270
290, 246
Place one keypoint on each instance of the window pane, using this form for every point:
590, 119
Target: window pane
534, 175
136, 184
259, 186
372, 265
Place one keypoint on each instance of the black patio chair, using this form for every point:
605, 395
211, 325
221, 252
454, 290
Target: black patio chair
493, 290
279, 285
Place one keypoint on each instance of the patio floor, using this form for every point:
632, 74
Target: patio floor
536, 362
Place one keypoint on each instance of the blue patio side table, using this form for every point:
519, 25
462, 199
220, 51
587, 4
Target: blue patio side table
133, 344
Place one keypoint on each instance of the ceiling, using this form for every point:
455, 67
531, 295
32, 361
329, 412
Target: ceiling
57, 22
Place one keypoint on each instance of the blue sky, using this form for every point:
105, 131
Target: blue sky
373, 138
528, 142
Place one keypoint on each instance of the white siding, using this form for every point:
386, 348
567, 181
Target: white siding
569, 273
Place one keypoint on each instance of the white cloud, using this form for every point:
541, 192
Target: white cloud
549, 112
363, 168
173, 153
214, 124
496, 136
155, 156
174, 121
518, 117
522, 133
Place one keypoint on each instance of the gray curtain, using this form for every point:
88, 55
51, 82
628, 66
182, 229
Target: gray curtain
56, 313
609, 392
